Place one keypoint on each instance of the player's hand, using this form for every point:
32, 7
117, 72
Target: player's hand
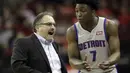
108, 70
86, 65
105, 66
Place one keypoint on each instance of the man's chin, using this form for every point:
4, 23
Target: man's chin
50, 38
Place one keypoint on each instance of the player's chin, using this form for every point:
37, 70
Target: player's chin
81, 21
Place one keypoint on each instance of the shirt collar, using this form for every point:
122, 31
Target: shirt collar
43, 40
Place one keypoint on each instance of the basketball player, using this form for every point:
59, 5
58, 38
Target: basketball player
93, 42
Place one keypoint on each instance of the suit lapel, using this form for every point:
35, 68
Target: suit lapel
55, 47
38, 46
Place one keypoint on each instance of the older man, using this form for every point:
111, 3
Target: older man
38, 53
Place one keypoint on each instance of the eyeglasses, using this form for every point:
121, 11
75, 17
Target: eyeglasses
48, 24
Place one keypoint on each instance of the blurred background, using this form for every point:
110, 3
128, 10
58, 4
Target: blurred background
16, 17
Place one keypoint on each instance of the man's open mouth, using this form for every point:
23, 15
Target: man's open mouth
51, 32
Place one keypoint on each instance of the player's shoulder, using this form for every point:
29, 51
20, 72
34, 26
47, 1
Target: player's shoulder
111, 25
72, 27
71, 30
110, 21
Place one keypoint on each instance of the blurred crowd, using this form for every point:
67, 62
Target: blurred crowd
17, 16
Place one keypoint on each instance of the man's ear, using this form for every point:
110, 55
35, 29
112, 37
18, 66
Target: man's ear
37, 27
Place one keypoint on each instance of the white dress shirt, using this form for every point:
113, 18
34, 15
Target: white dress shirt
52, 56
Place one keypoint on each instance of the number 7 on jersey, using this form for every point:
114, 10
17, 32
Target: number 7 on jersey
94, 55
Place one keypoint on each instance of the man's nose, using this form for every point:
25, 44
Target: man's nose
53, 27
79, 14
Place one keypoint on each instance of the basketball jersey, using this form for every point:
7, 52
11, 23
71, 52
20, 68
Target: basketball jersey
93, 44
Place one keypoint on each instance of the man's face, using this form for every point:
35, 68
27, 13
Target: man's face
46, 27
83, 12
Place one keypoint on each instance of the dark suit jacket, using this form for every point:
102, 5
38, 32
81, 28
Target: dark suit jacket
29, 56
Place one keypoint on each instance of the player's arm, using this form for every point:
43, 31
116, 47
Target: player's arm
114, 43
73, 52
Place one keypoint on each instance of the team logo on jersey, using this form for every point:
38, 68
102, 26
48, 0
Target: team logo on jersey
99, 32
92, 44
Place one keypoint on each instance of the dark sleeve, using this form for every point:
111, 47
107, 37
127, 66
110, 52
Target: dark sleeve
19, 58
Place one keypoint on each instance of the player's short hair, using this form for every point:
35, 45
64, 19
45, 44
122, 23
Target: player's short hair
94, 4
39, 17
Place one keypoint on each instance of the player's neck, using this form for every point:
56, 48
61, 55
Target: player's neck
89, 25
